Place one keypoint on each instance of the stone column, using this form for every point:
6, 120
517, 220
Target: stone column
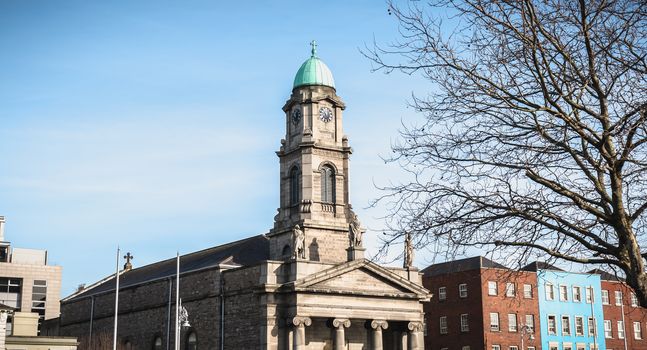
340, 339
378, 326
414, 336
300, 324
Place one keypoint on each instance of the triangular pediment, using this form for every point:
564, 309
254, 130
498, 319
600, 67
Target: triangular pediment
360, 277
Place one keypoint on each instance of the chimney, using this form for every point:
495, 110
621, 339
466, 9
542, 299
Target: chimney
2, 221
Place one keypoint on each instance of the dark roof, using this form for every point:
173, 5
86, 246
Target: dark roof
467, 264
6, 307
242, 253
606, 276
540, 265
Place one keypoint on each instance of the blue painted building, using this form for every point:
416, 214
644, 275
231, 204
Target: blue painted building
570, 309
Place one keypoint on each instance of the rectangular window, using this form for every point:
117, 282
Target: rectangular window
605, 297
510, 290
494, 321
531, 348
608, 333
592, 327
443, 324
618, 295
553, 346
567, 346
491, 288
566, 325
621, 330
442, 293
11, 290
550, 293
563, 293
634, 300
527, 291
579, 325
465, 347
580, 346
462, 290
39, 299
465, 326
512, 322
638, 333
552, 325
513, 347
590, 298
577, 294
530, 323
496, 347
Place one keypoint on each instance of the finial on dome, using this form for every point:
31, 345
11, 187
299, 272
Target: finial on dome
314, 48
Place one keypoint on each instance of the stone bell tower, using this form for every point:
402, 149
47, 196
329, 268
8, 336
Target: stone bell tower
314, 170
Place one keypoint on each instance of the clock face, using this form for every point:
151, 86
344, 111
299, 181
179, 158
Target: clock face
325, 114
296, 116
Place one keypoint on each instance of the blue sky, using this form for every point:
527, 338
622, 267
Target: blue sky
153, 124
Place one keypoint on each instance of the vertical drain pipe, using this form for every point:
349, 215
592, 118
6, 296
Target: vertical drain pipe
222, 311
91, 319
168, 315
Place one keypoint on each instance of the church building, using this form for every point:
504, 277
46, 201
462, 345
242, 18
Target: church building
304, 285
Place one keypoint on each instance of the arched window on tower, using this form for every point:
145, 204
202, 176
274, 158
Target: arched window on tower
157, 343
192, 341
327, 184
295, 186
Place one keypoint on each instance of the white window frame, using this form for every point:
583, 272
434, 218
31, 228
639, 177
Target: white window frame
592, 326
442, 293
638, 332
496, 347
531, 324
577, 294
465, 325
442, 323
621, 329
554, 318
527, 291
567, 324
510, 290
512, 323
563, 292
618, 296
550, 291
608, 329
567, 346
462, 290
579, 319
495, 326
605, 297
634, 299
590, 296
492, 288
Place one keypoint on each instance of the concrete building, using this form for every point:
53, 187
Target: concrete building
27, 282
25, 336
303, 285
625, 322
480, 304
570, 309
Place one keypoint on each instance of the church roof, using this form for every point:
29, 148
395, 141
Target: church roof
314, 72
467, 264
240, 253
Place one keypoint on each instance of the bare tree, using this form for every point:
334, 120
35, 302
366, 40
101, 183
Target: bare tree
534, 137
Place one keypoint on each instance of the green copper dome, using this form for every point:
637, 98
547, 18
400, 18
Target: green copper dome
314, 72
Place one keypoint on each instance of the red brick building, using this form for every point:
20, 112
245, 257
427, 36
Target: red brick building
480, 304
628, 332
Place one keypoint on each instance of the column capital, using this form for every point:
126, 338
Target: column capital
415, 326
379, 324
341, 322
301, 321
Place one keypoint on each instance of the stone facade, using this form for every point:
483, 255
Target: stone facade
261, 293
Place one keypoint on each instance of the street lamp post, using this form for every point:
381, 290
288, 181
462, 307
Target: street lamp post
528, 331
